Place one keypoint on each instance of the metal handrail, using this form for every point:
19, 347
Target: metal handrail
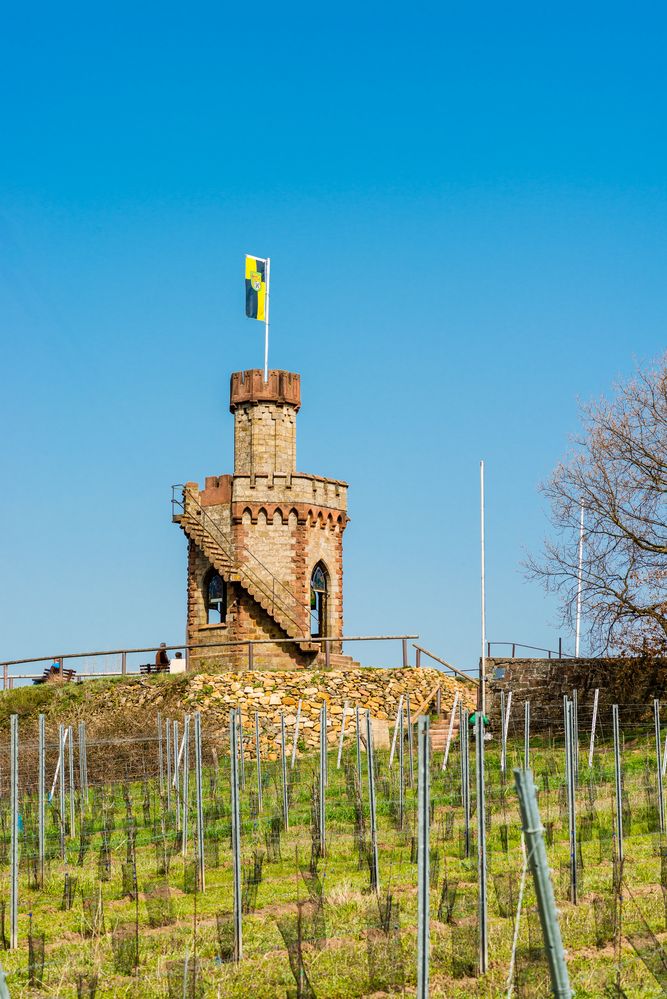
231, 550
443, 662
560, 654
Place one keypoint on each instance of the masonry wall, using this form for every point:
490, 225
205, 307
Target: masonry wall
631, 683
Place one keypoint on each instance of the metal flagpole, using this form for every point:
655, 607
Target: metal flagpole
482, 661
267, 273
581, 567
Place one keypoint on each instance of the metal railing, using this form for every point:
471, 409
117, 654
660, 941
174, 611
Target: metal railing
443, 662
129, 669
550, 653
244, 561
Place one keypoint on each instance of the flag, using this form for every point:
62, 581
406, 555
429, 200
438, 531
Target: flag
255, 288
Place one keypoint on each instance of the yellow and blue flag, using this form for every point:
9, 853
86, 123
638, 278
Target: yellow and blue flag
255, 288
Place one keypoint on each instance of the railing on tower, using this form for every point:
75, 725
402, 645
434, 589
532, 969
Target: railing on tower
243, 561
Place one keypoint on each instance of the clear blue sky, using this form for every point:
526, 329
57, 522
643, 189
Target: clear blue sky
465, 210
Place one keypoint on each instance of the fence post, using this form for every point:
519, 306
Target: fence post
448, 743
595, 716
41, 795
465, 778
401, 769
283, 760
358, 747
168, 741
323, 779
241, 755
251, 655
571, 800
236, 837
70, 759
423, 846
375, 872
296, 733
160, 759
200, 803
418, 658
393, 741
259, 762
14, 857
503, 743
186, 781
410, 742
123, 663
327, 655
82, 773
177, 774
619, 781
61, 787
658, 747
481, 848
526, 735
342, 735
575, 734
546, 904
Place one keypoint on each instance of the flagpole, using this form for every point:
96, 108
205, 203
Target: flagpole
482, 661
577, 632
266, 327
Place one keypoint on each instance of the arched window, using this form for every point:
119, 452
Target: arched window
318, 601
215, 598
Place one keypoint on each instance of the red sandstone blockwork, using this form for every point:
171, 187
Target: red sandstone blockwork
283, 387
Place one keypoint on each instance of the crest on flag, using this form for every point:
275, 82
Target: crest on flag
255, 280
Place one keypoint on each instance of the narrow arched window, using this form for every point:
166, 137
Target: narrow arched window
318, 601
215, 598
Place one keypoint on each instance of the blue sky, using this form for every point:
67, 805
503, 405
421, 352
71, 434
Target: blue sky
465, 211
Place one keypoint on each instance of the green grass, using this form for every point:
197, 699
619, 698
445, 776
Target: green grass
338, 966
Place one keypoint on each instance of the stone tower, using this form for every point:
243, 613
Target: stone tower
265, 553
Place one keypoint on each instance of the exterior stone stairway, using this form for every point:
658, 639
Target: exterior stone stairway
268, 591
439, 730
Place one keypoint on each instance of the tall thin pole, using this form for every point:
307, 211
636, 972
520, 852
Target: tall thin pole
61, 787
159, 752
259, 762
658, 747
267, 272
200, 802
371, 804
241, 756
571, 797
619, 781
70, 760
526, 735
236, 836
481, 849
284, 772
41, 795
14, 857
595, 716
323, 779
482, 660
168, 741
539, 865
393, 740
423, 858
358, 733
577, 633
342, 735
296, 734
186, 781
450, 730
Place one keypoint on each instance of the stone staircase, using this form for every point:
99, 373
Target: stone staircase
439, 730
339, 661
242, 567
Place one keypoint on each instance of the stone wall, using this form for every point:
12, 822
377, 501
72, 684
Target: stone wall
630, 683
269, 694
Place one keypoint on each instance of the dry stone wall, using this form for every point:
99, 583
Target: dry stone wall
632, 683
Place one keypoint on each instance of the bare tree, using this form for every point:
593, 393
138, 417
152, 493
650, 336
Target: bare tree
618, 470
